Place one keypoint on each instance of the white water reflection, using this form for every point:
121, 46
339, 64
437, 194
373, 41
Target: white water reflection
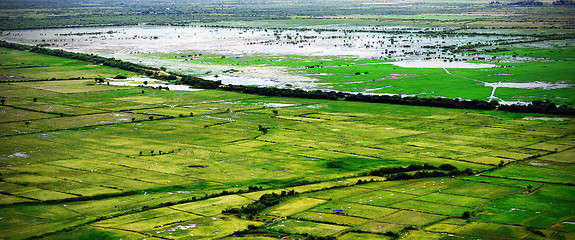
530, 85
154, 83
247, 81
441, 64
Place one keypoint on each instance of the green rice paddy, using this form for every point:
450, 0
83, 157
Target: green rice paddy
87, 160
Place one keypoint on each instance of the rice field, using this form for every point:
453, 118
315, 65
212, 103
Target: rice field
119, 163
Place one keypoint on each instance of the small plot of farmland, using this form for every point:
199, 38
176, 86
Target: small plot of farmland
10, 114
302, 226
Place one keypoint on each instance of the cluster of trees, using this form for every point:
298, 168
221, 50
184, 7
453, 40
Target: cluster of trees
423, 171
527, 3
266, 200
432, 102
86, 33
284, 92
564, 2
200, 82
544, 106
111, 62
412, 167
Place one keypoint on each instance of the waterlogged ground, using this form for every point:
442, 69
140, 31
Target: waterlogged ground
369, 59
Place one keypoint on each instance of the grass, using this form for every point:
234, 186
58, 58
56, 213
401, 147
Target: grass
353, 209
363, 236
380, 227
492, 230
527, 172
412, 218
331, 218
313, 228
431, 207
481, 190
33, 66
293, 206
527, 210
95, 162
452, 199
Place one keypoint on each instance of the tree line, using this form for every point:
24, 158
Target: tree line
423, 171
111, 62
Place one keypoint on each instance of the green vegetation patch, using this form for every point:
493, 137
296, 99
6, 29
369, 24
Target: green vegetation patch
528, 172
412, 218
353, 209
566, 156
292, 206
353, 235
450, 199
379, 198
301, 226
340, 219
336, 194
480, 190
380, 227
34, 66
431, 207
527, 210
9, 114
213, 206
493, 230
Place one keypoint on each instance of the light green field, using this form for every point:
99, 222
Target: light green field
293, 206
96, 173
33, 66
412, 218
301, 226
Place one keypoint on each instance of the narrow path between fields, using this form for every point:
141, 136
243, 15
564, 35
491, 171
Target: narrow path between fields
493, 85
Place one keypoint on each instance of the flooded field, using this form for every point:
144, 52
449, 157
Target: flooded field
323, 57
383, 43
149, 82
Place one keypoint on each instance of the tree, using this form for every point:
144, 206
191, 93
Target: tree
35, 99
466, 215
275, 112
151, 117
3, 101
262, 129
143, 92
27, 123
191, 114
529, 188
145, 83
